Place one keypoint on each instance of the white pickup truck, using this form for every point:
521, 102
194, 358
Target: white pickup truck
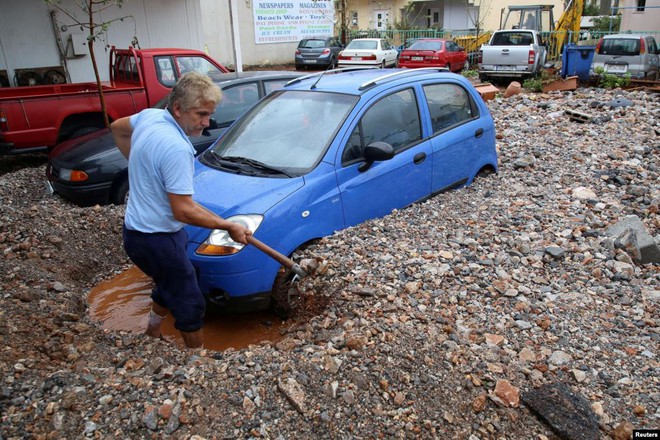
514, 53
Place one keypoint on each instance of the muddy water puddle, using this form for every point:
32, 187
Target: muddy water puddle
123, 304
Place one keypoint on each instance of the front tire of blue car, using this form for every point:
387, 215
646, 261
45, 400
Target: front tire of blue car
284, 294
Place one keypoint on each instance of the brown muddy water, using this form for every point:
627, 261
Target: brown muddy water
123, 303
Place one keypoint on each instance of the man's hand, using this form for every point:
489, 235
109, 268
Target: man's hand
238, 233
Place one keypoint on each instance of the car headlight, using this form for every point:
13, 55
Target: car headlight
73, 175
220, 243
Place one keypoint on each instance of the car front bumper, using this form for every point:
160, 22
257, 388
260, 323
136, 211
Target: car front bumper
245, 276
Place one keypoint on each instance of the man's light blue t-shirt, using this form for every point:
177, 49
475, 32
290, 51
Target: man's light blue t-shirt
161, 161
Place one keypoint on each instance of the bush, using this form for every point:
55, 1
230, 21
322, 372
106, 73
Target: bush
533, 84
609, 81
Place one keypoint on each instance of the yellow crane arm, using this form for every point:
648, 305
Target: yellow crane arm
568, 22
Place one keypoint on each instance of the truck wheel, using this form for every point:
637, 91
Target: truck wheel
119, 194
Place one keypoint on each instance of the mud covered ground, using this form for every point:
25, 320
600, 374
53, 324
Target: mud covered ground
443, 320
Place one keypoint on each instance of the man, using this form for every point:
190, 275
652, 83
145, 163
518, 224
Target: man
160, 169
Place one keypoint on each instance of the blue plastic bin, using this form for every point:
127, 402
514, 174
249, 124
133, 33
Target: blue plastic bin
576, 61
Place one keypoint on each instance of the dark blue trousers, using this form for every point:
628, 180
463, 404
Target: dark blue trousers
162, 256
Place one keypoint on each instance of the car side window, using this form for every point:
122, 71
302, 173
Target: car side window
275, 84
235, 101
394, 120
449, 105
165, 71
196, 64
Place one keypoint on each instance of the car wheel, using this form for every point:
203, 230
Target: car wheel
299, 67
383, 64
286, 299
119, 195
285, 295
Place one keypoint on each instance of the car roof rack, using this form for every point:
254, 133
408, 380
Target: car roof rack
325, 72
380, 79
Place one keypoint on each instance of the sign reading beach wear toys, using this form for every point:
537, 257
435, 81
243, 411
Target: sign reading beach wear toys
291, 21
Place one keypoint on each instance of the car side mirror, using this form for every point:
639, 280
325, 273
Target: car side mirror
376, 152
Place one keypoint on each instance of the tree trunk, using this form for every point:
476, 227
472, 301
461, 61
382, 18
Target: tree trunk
90, 44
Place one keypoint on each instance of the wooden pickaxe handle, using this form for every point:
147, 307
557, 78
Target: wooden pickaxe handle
277, 256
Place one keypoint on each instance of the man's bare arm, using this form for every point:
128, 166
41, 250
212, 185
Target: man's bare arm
186, 210
121, 133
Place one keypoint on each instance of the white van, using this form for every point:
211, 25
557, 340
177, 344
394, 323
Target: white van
621, 54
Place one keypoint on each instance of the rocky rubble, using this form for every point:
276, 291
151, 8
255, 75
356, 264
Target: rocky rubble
442, 318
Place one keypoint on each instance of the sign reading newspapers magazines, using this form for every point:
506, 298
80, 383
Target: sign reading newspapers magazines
290, 21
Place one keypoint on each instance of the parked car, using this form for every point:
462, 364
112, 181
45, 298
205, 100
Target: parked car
512, 54
627, 54
401, 47
328, 151
434, 52
318, 53
90, 170
374, 52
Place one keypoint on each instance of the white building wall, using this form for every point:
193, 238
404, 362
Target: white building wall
28, 39
26, 43
646, 20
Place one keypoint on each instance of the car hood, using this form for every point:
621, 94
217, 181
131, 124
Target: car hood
90, 150
228, 194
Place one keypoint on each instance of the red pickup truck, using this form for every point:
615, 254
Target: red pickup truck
36, 118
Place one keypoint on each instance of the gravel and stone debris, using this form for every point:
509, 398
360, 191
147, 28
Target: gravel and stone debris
441, 320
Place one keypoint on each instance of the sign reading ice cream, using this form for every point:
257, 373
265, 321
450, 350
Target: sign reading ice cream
290, 21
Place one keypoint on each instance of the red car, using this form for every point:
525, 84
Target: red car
434, 52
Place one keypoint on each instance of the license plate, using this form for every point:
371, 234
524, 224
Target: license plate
616, 68
356, 58
504, 68
310, 61
417, 58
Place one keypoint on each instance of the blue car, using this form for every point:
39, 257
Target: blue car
328, 151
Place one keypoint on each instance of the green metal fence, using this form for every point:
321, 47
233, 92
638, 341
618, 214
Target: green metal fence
471, 41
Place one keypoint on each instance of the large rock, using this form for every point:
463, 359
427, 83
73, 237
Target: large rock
567, 412
631, 235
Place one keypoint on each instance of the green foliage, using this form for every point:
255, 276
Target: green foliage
533, 84
470, 73
591, 9
602, 24
609, 81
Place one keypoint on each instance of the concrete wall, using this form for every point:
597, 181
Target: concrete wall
29, 33
646, 20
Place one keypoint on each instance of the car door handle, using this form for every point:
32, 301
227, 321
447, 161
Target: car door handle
478, 133
419, 158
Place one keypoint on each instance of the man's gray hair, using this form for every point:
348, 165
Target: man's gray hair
194, 90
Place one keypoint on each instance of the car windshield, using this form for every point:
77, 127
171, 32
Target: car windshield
614, 46
312, 44
289, 131
426, 45
362, 44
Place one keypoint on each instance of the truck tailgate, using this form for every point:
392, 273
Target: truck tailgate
506, 55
